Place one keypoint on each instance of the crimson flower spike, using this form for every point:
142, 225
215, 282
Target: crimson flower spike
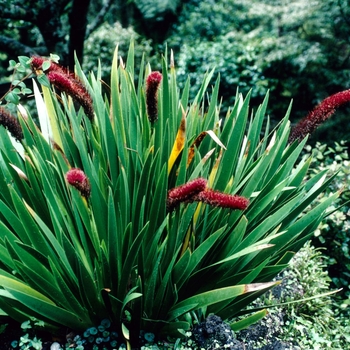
77, 178
223, 200
37, 63
11, 123
319, 115
74, 88
66, 82
152, 85
185, 193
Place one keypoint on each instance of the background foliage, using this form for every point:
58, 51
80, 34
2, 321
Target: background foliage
107, 37
311, 323
298, 49
333, 233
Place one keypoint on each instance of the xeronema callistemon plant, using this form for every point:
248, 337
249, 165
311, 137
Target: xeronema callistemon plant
144, 207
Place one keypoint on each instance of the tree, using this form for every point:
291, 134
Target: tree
40, 27
61, 26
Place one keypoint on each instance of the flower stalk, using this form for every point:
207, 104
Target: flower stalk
37, 65
11, 123
319, 115
152, 85
66, 82
185, 193
197, 191
73, 88
77, 178
223, 200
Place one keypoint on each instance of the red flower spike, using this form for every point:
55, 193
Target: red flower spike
38, 61
185, 193
319, 115
223, 200
75, 175
11, 123
154, 78
152, 85
66, 82
74, 88
77, 178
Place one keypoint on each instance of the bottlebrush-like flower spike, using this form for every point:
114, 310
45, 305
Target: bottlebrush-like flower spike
38, 61
78, 179
185, 193
223, 200
11, 123
319, 115
73, 88
152, 85
66, 82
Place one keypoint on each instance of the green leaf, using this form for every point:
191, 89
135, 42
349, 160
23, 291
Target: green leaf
214, 296
229, 159
117, 120
46, 65
200, 254
181, 266
175, 328
130, 259
48, 310
44, 120
24, 61
248, 321
12, 97
43, 80
12, 285
12, 63
54, 58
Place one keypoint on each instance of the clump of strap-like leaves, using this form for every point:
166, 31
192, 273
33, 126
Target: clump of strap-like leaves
96, 221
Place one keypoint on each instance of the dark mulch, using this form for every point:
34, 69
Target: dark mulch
209, 334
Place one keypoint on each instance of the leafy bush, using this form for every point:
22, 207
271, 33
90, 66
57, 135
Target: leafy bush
100, 45
238, 69
207, 36
282, 45
136, 208
299, 318
29, 340
333, 233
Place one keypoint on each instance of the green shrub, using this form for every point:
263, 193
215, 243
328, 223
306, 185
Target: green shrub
333, 233
280, 43
100, 45
142, 206
299, 318
233, 59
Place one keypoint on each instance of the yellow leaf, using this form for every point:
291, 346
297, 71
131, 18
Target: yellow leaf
179, 142
214, 170
186, 243
198, 211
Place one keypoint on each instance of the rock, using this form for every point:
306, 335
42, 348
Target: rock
213, 333
278, 345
